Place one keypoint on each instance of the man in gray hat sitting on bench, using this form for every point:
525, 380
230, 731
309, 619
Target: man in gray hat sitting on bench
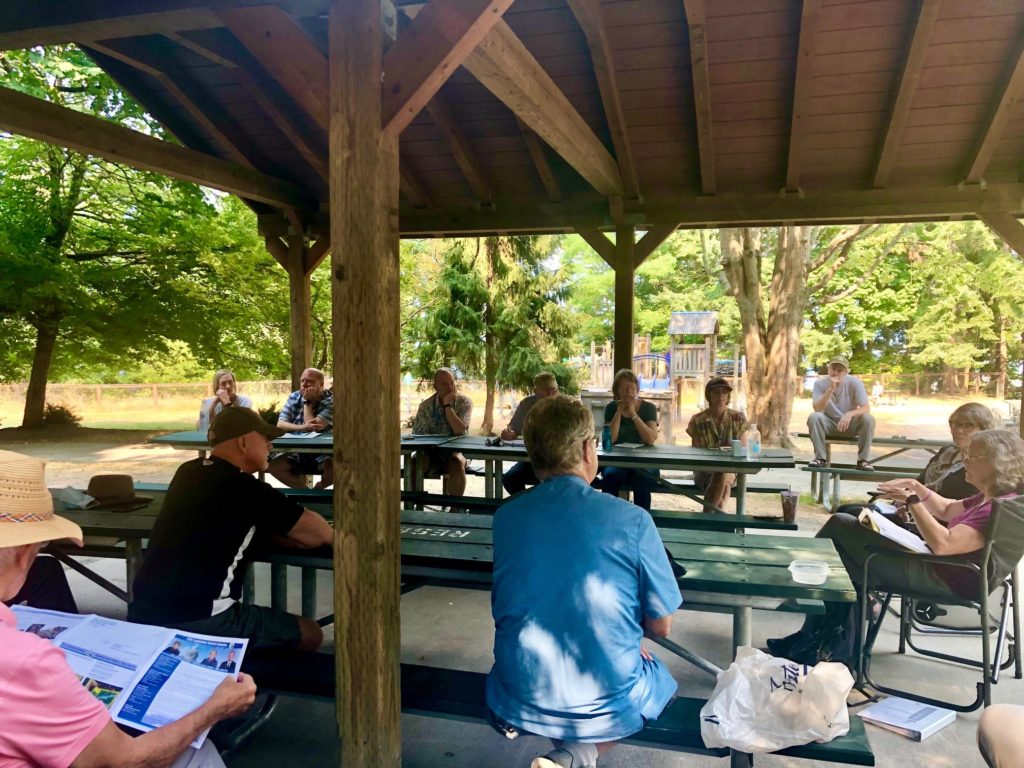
841, 404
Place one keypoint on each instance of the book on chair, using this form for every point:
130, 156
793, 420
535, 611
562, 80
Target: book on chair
883, 525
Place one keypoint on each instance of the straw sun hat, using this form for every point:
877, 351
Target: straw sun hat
26, 507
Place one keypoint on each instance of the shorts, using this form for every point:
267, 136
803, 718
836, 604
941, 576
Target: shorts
703, 479
304, 463
265, 627
436, 462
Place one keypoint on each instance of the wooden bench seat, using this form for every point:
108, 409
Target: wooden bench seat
717, 521
459, 695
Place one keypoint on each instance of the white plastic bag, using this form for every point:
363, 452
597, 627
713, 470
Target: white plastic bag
762, 703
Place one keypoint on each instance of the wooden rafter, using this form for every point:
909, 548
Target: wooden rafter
932, 203
913, 62
292, 58
540, 162
51, 22
588, 14
508, 70
647, 244
188, 94
458, 144
269, 102
801, 91
428, 51
1003, 105
277, 248
316, 253
1009, 229
696, 17
287, 53
48, 122
597, 240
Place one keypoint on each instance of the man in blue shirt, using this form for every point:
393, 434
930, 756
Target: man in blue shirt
308, 409
568, 645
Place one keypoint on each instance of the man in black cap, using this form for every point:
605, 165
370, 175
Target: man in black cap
716, 427
191, 577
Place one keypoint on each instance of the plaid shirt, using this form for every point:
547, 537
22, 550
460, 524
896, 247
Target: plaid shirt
292, 410
707, 434
430, 418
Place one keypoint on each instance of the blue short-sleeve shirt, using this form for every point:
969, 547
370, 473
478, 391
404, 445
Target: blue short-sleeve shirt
575, 573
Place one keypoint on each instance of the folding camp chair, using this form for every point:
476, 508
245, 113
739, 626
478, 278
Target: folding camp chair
1002, 551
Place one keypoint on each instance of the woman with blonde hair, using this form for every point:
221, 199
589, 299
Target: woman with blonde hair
225, 395
995, 466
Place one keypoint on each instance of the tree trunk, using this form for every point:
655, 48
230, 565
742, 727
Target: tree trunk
35, 398
741, 261
1001, 355
786, 316
491, 246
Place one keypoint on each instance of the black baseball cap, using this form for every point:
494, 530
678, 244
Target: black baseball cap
234, 422
719, 382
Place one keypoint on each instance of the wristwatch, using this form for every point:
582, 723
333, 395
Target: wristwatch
913, 499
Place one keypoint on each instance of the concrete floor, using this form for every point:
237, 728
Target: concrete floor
452, 628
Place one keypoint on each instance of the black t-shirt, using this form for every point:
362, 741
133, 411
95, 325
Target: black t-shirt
628, 433
210, 514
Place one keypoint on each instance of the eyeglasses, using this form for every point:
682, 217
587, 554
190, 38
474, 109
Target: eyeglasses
962, 425
974, 456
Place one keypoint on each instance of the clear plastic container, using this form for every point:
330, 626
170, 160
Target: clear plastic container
809, 571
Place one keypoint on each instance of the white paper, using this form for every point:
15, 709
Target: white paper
147, 676
893, 532
628, 445
910, 718
517, 443
885, 507
298, 435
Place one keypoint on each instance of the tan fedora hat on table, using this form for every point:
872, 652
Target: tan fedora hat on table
26, 507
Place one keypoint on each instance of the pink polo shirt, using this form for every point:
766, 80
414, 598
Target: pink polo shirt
46, 717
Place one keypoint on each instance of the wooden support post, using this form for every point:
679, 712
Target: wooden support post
625, 235
300, 309
365, 298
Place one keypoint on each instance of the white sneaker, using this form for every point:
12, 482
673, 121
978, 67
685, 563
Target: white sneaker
570, 755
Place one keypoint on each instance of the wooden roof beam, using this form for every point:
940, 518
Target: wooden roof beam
188, 94
801, 91
695, 19
647, 244
428, 51
291, 57
458, 144
933, 203
69, 128
588, 14
913, 63
540, 162
507, 69
597, 240
1003, 105
269, 102
38, 119
284, 49
51, 22
1008, 228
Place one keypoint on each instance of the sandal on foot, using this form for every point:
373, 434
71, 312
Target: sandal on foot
865, 466
817, 463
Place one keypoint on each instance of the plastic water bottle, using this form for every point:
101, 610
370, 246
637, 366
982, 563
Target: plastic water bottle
606, 438
753, 443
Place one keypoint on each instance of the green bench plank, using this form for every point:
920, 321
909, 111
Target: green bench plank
852, 473
779, 557
690, 487
716, 521
694, 536
761, 581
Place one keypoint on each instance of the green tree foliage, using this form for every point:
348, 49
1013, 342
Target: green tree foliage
498, 311
104, 264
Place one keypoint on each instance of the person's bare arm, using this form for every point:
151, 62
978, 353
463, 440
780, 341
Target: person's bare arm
458, 426
310, 531
958, 540
657, 627
616, 420
287, 426
112, 747
648, 430
937, 506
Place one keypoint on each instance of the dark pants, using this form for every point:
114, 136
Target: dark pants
518, 477
640, 480
46, 587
